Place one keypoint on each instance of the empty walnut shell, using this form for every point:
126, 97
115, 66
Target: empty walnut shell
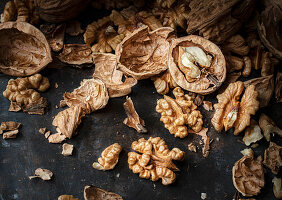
24, 49
210, 78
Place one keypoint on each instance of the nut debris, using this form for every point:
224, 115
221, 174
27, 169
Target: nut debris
252, 133
67, 197
10, 134
164, 82
67, 149
42, 130
268, 126
273, 157
277, 187
44, 174
207, 105
95, 193
192, 147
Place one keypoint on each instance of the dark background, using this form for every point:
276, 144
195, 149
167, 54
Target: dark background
30, 150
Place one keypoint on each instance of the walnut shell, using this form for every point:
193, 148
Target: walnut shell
211, 78
24, 49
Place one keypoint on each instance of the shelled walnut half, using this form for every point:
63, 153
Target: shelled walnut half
164, 82
22, 92
155, 161
179, 112
109, 158
231, 112
196, 64
273, 157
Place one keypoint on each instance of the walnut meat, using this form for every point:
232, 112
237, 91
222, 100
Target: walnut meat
268, 126
143, 54
231, 112
179, 112
273, 157
248, 175
155, 161
163, 82
196, 64
95, 193
109, 158
252, 133
24, 49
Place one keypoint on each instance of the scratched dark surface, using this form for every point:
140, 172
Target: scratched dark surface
21, 156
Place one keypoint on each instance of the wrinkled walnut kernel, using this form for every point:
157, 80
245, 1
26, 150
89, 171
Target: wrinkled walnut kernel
164, 82
273, 157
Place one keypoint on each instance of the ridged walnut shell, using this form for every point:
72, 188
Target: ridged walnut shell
211, 78
24, 49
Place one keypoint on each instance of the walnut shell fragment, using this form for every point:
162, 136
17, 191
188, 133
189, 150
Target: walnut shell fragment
164, 82
10, 134
179, 112
106, 71
252, 133
155, 161
9, 12
277, 187
231, 112
206, 141
248, 175
143, 54
55, 138
67, 197
44, 174
196, 64
273, 157
24, 49
9, 126
95, 193
76, 54
133, 120
109, 158
268, 126
207, 105
67, 149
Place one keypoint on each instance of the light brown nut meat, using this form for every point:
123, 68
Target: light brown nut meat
67, 149
106, 71
9, 126
265, 88
278, 87
236, 44
234, 63
9, 12
206, 141
179, 112
133, 120
252, 133
277, 187
42, 130
207, 105
164, 82
201, 67
76, 54
192, 147
273, 157
155, 161
109, 158
248, 175
247, 66
67, 197
94, 193
143, 54
24, 49
44, 174
73, 28
91, 95
14, 107
56, 138
268, 126
10, 134
230, 112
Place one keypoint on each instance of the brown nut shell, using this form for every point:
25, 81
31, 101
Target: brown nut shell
24, 49
211, 77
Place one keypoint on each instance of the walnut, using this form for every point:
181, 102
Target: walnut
234, 63
248, 175
236, 44
277, 187
265, 88
230, 112
267, 68
196, 64
9, 12
54, 34
163, 82
44, 174
67, 149
206, 142
178, 112
76, 54
252, 133
278, 87
106, 70
73, 28
230, 78
67, 197
198, 100
155, 161
207, 105
133, 120
10, 134
26, 11
109, 158
23, 92
273, 157
42, 130
247, 66
143, 54
14, 107
94, 193
24, 49
268, 126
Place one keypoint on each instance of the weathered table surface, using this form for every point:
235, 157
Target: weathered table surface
21, 156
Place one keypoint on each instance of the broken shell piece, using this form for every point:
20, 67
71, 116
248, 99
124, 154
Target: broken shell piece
14, 107
248, 175
9, 12
164, 82
42, 130
9, 126
109, 158
252, 133
273, 157
277, 187
67, 149
206, 141
56, 138
207, 105
67, 197
94, 193
73, 28
278, 87
192, 147
10, 134
236, 44
106, 71
268, 126
234, 63
47, 134
198, 100
143, 54
133, 120
206, 60
44, 174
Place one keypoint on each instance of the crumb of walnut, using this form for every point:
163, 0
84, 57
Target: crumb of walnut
252, 133
164, 82
44, 174
192, 147
273, 157
155, 161
109, 158
67, 149
179, 112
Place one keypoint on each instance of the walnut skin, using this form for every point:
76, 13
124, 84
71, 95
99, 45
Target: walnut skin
163, 82
109, 158
273, 157
230, 112
155, 161
178, 112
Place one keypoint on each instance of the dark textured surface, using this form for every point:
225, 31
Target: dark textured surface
21, 156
